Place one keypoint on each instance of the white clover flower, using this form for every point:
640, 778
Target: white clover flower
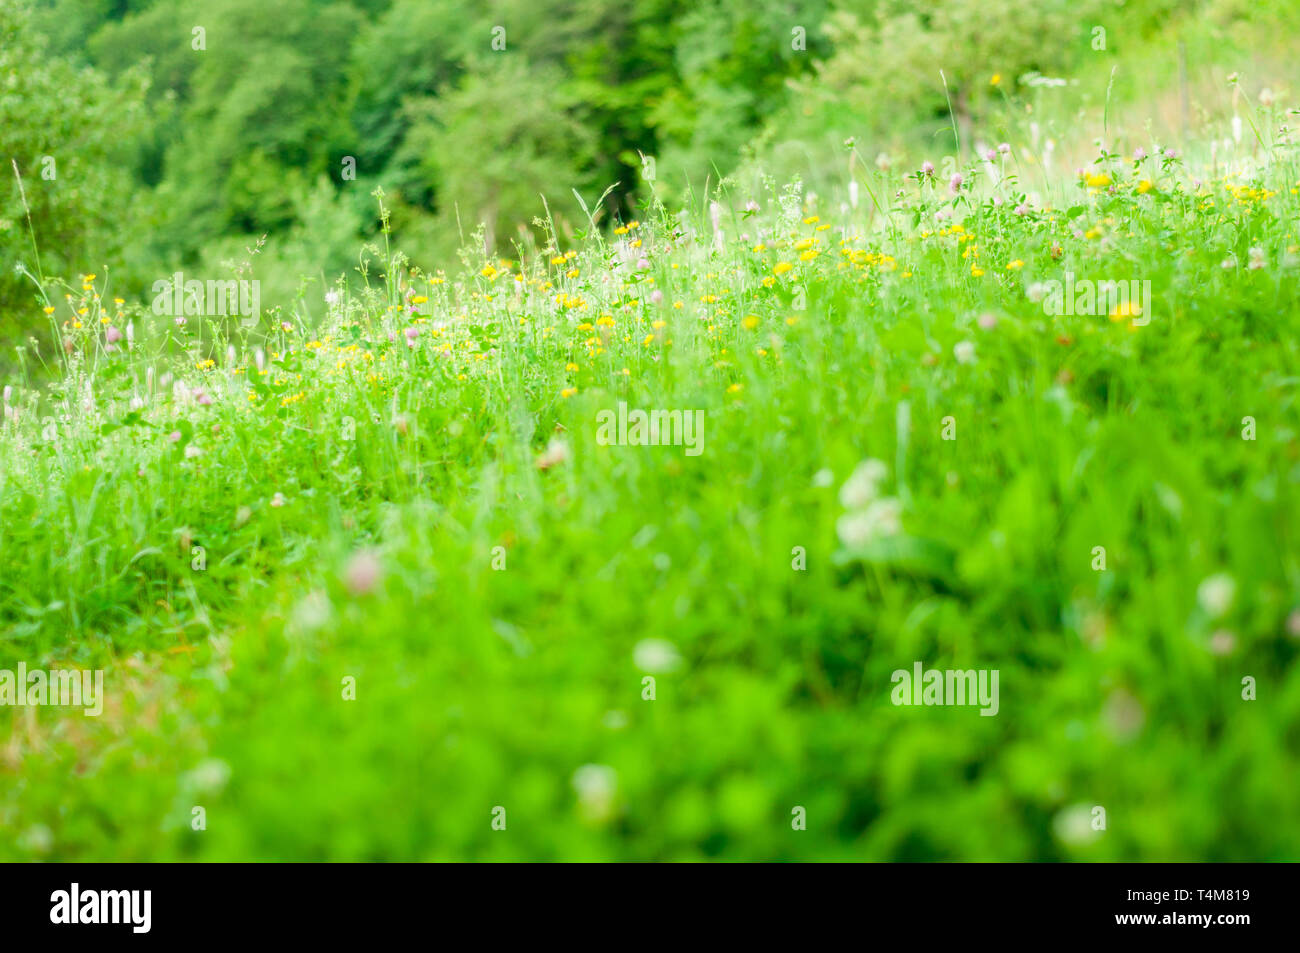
863, 485
596, 785
1216, 594
1073, 825
964, 351
882, 518
655, 656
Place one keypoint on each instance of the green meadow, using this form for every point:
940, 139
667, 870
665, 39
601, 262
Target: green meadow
624, 542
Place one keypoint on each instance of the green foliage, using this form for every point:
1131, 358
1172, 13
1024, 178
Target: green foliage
63, 127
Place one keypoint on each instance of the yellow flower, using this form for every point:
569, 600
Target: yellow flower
568, 392
812, 220
419, 299
1098, 180
976, 271
782, 267
50, 309
750, 322
1124, 310
996, 79
1015, 265
1145, 186
489, 272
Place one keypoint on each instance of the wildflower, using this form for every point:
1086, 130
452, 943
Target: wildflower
656, 296
954, 184
1021, 209
362, 573
882, 518
1216, 594
1139, 154
1097, 180
112, 335
1222, 642
655, 656
1257, 259
568, 392
1125, 309
995, 79
1145, 186
782, 267
596, 785
927, 168
1004, 148
987, 321
278, 500
964, 352
861, 488
1073, 825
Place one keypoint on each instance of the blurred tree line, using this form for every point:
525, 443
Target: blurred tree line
183, 132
